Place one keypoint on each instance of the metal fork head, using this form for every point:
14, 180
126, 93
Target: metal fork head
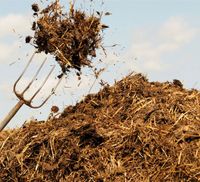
20, 95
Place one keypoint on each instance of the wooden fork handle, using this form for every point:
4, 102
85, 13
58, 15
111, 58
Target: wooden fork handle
10, 115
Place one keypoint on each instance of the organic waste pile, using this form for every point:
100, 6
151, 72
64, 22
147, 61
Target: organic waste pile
133, 131
72, 37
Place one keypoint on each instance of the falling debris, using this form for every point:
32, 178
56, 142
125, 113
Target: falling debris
28, 39
108, 13
54, 109
72, 37
35, 7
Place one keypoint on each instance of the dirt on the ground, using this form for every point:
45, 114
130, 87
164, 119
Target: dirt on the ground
133, 131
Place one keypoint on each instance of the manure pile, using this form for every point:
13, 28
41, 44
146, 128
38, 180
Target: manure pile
133, 131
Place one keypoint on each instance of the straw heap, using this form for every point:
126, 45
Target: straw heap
135, 130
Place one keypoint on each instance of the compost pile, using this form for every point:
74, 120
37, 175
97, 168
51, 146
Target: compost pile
135, 130
72, 37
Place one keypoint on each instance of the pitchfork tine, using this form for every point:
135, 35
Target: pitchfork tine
29, 62
41, 86
52, 92
34, 77
22, 100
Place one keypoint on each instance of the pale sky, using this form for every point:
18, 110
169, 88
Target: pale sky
159, 38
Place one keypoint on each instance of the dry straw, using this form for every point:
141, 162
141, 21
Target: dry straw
72, 37
135, 130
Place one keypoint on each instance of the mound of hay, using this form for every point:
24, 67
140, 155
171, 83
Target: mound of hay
71, 37
135, 130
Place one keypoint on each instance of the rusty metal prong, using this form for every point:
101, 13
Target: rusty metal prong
43, 83
34, 77
26, 67
52, 92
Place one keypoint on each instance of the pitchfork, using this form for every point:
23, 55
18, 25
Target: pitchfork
21, 97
